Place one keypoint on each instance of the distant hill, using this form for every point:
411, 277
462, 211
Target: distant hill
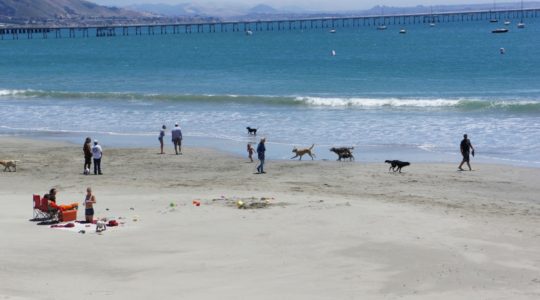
262, 9
58, 9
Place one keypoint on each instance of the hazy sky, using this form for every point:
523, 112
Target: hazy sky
312, 4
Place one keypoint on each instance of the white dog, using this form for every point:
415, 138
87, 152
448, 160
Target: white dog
101, 226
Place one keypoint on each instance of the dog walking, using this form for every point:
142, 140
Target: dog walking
466, 148
261, 149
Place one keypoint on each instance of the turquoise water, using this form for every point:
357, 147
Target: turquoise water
408, 96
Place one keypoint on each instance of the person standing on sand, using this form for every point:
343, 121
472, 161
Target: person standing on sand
89, 202
87, 150
250, 151
261, 149
97, 152
466, 148
176, 134
161, 136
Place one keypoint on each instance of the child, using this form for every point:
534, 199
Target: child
250, 151
89, 202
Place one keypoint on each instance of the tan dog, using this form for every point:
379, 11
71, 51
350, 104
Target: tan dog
302, 152
8, 164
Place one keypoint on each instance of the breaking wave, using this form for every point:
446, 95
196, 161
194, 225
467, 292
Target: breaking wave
460, 104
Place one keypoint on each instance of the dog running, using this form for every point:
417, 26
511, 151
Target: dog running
301, 152
396, 165
252, 130
8, 164
343, 153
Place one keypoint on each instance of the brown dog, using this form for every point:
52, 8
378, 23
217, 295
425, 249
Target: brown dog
302, 152
8, 164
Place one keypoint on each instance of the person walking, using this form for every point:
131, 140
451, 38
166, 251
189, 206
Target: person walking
250, 151
176, 134
97, 153
161, 136
261, 149
87, 150
89, 202
466, 148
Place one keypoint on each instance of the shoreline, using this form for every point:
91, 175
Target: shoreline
277, 151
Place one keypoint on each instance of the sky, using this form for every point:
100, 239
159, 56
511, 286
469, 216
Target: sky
309, 4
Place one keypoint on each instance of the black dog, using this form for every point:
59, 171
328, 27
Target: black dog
343, 153
396, 165
251, 130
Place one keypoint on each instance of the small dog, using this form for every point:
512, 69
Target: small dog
101, 226
343, 153
252, 130
8, 164
396, 165
302, 152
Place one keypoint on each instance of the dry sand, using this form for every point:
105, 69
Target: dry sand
332, 231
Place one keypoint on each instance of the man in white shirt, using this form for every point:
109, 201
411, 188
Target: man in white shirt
176, 134
97, 153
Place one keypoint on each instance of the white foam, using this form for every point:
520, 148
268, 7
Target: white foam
375, 103
13, 92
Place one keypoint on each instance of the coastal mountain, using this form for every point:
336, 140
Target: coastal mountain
58, 9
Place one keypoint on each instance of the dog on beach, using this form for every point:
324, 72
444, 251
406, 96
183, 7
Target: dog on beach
101, 226
396, 165
343, 153
301, 152
252, 130
8, 164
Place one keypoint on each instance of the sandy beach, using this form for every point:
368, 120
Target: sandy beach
331, 230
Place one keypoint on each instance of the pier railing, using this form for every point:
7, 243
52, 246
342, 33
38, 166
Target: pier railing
81, 31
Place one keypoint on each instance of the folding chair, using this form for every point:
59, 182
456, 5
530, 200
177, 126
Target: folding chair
39, 213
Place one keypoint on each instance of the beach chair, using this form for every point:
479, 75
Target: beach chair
39, 212
43, 211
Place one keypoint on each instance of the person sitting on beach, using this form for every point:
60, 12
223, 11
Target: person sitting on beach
465, 148
261, 149
176, 134
51, 196
160, 138
250, 151
89, 202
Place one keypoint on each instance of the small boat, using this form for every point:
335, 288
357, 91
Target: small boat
333, 53
249, 32
381, 27
493, 21
521, 24
502, 51
332, 31
431, 24
403, 31
500, 30
507, 22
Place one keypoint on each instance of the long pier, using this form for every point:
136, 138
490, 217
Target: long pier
45, 32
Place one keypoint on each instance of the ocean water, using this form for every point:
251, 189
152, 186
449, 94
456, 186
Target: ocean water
391, 96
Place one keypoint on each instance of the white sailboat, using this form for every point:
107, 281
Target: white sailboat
494, 20
521, 24
382, 26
